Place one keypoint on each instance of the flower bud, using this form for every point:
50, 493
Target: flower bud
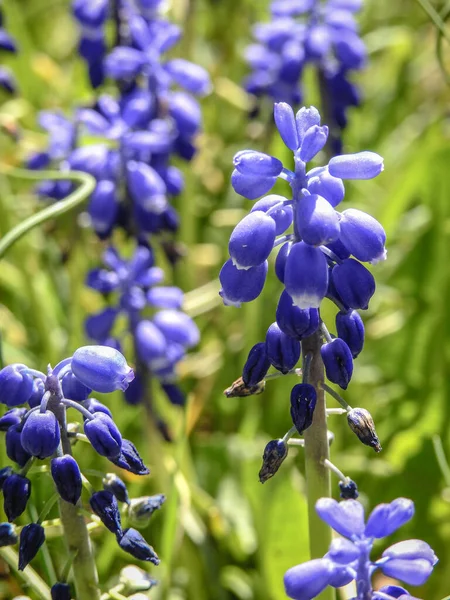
411, 550
112, 483
93, 406
343, 551
253, 163
104, 436
385, 519
177, 327
146, 186
361, 423
306, 118
362, 165
349, 490
317, 220
4, 473
60, 591
346, 517
306, 275
303, 403
293, 321
103, 207
282, 351
186, 113
73, 389
40, 435
251, 186
274, 454
354, 283
67, 477
338, 362
37, 393
141, 509
90, 14
240, 285
322, 183
12, 417
282, 215
101, 368
280, 261
16, 491
14, 449
363, 236
413, 572
130, 460
174, 394
16, 386
252, 240
238, 389
104, 505
307, 580
133, 543
32, 537
350, 328
98, 326
189, 76
313, 141
285, 122
256, 366
151, 344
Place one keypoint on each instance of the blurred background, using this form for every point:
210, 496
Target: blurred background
221, 534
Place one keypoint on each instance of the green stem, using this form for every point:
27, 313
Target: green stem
29, 575
55, 210
316, 452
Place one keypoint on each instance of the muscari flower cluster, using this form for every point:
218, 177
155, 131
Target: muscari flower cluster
348, 558
302, 32
7, 44
160, 330
321, 258
40, 431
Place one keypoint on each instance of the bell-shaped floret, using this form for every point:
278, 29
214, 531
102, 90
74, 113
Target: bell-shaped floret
4, 474
362, 165
350, 328
239, 285
73, 389
190, 76
280, 261
306, 275
141, 509
40, 435
317, 221
130, 459
303, 403
133, 543
387, 518
16, 492
282, 215
101, 368
104, 207
12, 417
252, 240
285, 122
177, 327
346, 517
313, 141
282, 350
411, 550
363, 236
104, 436
251, 186
306, 118
91, 159
354, 283
293, 321
338, 362
32, 537
14, 449
67, 478
146, 187
256, 365
16, 385
253, 163
343, 551
98, 326
413, 572
112, 483
165, 297
306, 581
104, 504
322, 183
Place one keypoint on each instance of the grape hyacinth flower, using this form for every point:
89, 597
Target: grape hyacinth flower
348, 557
160, 337
41, 431
324, 34
321, 255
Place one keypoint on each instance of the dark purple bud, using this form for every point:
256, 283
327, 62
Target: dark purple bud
317, 220
4, 473
282, 350
240, 285
280, 261
104, 505
350, 328
32, 537
11, 417
67, 477
14, 449
130, 460
16, 386
349, 490
101, 368
141, 509
274, 454
37, 393
8, 536
61, 591
174, 394
112, 483
16, 491
73, 389
293, 321
361, 423
256, 366
40, 435
252, 240
133, 543
104, 436
93, 406
338, 362
303, 403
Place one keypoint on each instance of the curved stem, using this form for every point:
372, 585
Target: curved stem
55, 210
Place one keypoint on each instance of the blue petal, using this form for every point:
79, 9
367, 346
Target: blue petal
362, 165
240, 285
253, 186
307, 580
306, 275
346, 517
251, 241
285, 122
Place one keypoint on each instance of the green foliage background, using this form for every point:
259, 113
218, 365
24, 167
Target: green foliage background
221, 535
